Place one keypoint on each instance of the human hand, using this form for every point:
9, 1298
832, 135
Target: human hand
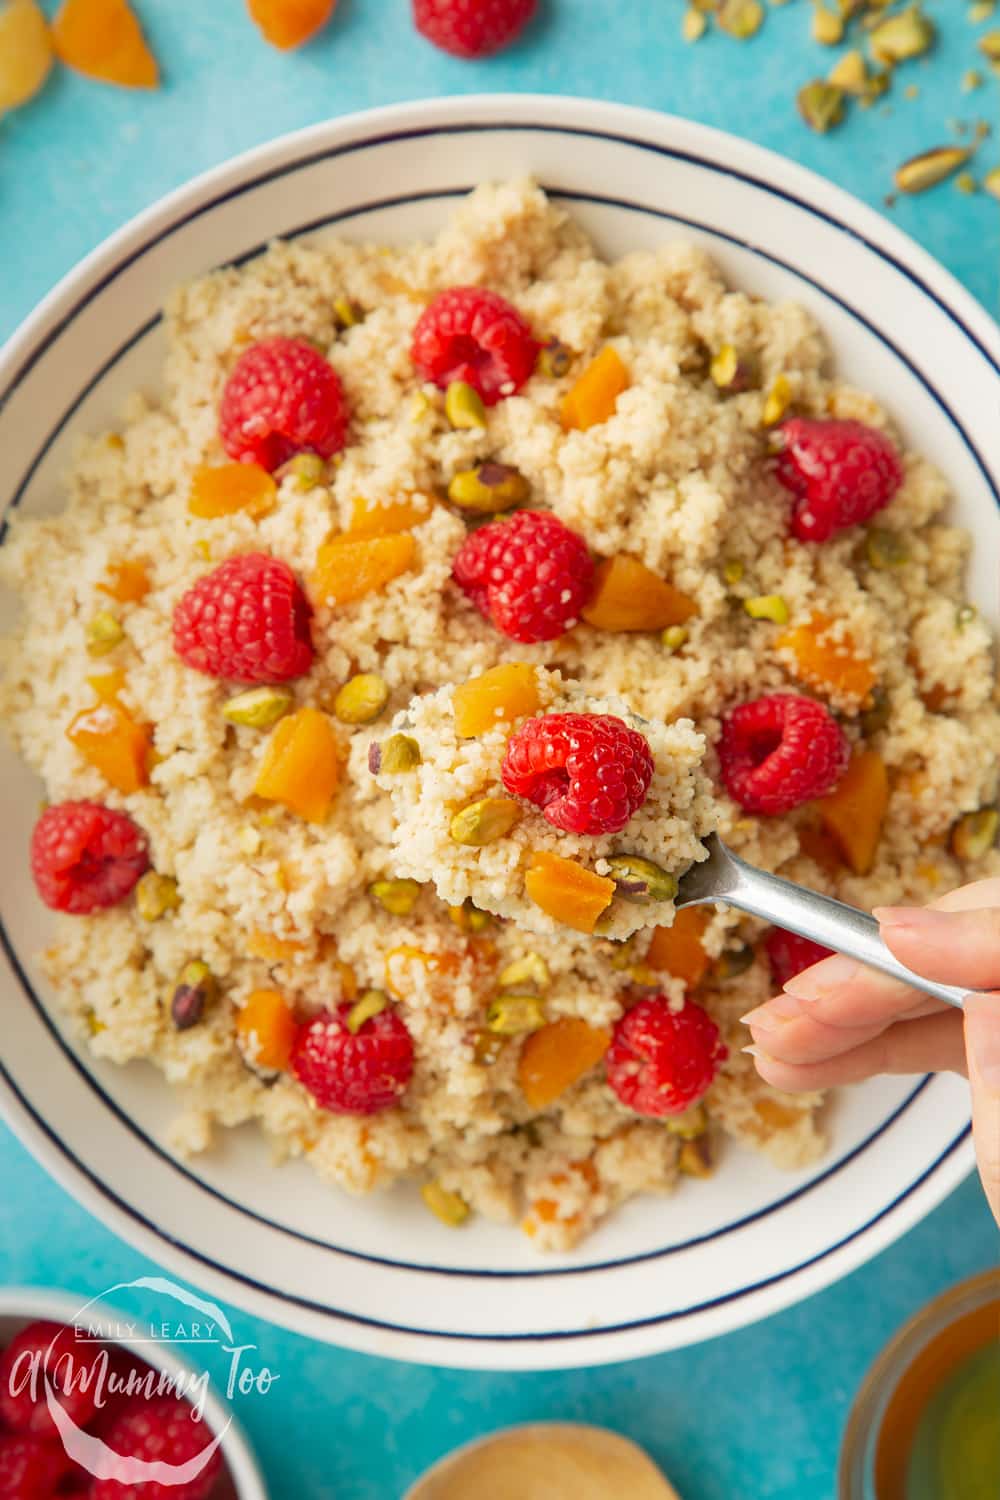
839, 1022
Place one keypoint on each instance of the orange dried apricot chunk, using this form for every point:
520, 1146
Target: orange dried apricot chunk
302, 765
272, 949
567, 891
852, 814
557, 1056
266, 1026
830, 666
497, 696
25, 52
110, 739
103, 39
348, 567
370, 518
128, 582
678, 950
594, 396
629, 596
225, 489
289, 23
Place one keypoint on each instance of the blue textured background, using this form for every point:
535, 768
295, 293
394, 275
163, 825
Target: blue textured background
759, 1413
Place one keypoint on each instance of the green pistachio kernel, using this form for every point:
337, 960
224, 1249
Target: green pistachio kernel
347, 312
307, 469
485, 821
196, 988
779, 399
371, 1003
691, 1124
362, 699
740, 18
827, 27
767, 607
531, 969
674, 637
733, 570
639, 880
104, 633
463, 406
907, 34
396, 896
514, 1015
733, 372
400, 752
975, 834
155, 895
489, 489
554, 359
885, 549
693, 25
821, 104
444, 1205
259, 708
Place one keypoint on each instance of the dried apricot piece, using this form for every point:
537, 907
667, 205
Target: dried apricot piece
349, 567
226, 489
103, 39
266, 1026
25, 52
110, 739
831, 666
302, 765
127, 581
852, 814
289, 23
272, 949
629, 596
503, 693
567, 891
557, 1056
678, 950
371, 518
594, 396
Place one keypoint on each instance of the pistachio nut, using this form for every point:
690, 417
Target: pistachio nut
155, 895
767, 607
361, 699
489, 489
637, 879
258, 708
531, 969
821, 104
463, 406
975, 833
196, 988
485, 821
396, 896
400, 752
444, 1205
104, 633
371, 1003
513, 1015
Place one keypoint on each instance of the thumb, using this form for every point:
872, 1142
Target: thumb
982, 1042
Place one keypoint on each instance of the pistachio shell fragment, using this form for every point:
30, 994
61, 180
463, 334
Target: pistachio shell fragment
400, 752
740, 18
930, 167
885, 549
361, 699
463, 406
531, 969
258, 708
975, 833
155, 895
488, 489
104, 633
640, 880
767, 607
821, 104
514, 1015
899, 37
444, 1205
371, 1003
396, 896
485, 821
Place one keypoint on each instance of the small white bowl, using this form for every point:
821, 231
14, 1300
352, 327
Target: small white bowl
381, 1274
241, 1479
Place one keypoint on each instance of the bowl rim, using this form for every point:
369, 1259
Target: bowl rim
60, 1306
644, 129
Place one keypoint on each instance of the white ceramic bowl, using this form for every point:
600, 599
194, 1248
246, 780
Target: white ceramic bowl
242, 1479
381, 1274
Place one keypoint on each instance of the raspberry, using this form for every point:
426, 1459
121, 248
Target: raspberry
472, 28
471, 334
31, 1469
353, 1074
161, 1430
282, 398
247, 620
85, 856
530, 576
587, 772
661, 1060
788, 954
780, 751
841, 473
51, 1350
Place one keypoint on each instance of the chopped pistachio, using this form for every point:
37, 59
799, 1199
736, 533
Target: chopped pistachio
975, 833
307, 469
347, 313
972, 79
989, 45
850, 73
420, 405
912, 91
827, 26
489, 489
876, 84
930, 168
371, 1003
733, 570
693, 25
821, 104
203, 549
876, 715
981, 10
531, 969
674, 637
554, 359
966, 183
885, 549
448, 1207
155, 895
991, 182
740, 18
470, 918
104, 633
733, 372
396, 896
514, 1015
463, 406
689, 1125
485, 821
767, 607
779, 399
695, 1159
258, 708
908, 33
196, 988
94, 1026
400, 752
361, 699
640, 880
733, 962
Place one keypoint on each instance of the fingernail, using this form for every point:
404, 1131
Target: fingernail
982, 1036
772, 1014
832, 974
754, 1052
914, 918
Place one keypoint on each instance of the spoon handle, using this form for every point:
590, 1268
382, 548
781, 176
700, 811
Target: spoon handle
826, 921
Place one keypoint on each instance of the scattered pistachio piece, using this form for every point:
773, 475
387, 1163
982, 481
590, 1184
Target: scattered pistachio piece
674, 637
196, 988
513, 1015
420, 405
399, 753
258, 708
361, 699
639, 880
779, 399
155, 895
966, 183
94, 1026
371, 1003
821, 104
908, 33
531, 969
981, 10
733, 962
850, 73
554, 359
740, 18
396, 896
307, 469
733, 570
972, 79
347, 313
930, 167
104, 633
989, 45
695, 1159
991, 182
885, 549
470, 918
488, 489
485, 821
693, 25
827, 26
448, 1207
733, 372
975, 833
767, 607
487, 1047
463, 406
689, 1125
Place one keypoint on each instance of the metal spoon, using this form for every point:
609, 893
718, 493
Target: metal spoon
724, 877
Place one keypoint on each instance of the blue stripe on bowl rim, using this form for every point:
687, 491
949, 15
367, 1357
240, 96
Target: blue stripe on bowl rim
289, 168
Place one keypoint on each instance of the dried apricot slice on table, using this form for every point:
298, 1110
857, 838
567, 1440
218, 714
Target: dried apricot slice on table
289, 23
103, 39
25, 52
